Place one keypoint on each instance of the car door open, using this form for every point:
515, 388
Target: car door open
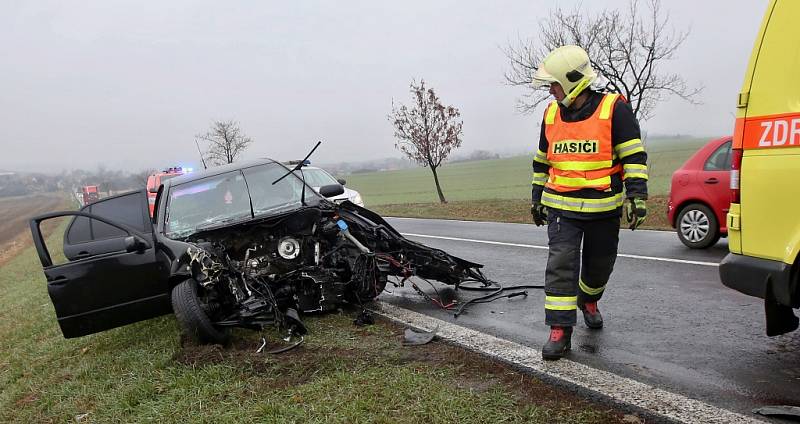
111, 276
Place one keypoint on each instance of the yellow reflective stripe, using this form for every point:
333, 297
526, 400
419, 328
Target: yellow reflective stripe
560, 308
581, 166
629, 143
576, 91
608, 104
561, 303
634, 170
550, 115
540, 178
577, 204
628, 148
581, 182
588, 290
541, 157
567, 299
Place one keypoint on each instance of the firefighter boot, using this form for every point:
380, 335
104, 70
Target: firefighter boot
558, 344
591, 315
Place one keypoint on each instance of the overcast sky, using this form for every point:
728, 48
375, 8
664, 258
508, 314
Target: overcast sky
129, 83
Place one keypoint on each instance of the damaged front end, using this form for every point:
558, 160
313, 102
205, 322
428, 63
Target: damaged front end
314, 259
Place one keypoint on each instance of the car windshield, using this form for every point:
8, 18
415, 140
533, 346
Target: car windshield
205, 203
269, 198
317, 177
225, 199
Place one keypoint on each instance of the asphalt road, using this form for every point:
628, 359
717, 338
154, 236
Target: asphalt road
669, 322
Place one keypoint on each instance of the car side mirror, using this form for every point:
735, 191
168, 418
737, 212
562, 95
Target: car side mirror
152, 190
342, 181
331, 190
134, 244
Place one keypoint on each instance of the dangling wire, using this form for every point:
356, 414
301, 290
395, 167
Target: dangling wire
470, 275
496, 292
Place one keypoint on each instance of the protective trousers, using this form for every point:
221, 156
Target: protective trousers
572, 278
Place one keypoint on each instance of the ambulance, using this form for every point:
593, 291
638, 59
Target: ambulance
764, 217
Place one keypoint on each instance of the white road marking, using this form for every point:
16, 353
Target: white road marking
619, 389
534, 246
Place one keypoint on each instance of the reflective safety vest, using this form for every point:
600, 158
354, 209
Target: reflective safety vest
581, 153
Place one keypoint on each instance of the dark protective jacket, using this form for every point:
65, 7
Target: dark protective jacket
629, 163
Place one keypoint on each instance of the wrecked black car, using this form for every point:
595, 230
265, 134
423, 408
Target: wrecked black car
244, 245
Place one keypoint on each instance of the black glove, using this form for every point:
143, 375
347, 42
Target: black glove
635, 212
539, 212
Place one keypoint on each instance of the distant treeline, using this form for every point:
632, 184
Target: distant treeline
20, 184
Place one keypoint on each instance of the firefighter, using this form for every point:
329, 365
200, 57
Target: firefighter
589, 147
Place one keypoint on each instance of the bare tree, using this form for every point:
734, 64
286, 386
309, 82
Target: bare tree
427, 131
225, 142
627, 49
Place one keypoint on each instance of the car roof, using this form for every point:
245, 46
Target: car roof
217, 170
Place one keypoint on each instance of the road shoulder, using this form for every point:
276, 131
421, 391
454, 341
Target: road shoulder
657, 404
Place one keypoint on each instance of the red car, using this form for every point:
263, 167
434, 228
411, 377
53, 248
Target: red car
700, 195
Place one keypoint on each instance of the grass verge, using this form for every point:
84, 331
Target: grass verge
143, 373
506, 210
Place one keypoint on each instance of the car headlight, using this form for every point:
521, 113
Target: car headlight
356, 198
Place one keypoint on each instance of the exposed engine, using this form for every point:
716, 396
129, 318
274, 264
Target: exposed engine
312, 260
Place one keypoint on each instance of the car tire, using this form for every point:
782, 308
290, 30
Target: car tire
191, 316
697, 226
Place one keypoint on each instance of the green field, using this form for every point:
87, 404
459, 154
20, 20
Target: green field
507, 178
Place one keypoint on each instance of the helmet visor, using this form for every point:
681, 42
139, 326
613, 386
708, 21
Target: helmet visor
542, 78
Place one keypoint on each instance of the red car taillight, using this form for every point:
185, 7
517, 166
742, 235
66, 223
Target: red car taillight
736, 166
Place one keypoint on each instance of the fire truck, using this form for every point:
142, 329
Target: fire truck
90, 194
154, 182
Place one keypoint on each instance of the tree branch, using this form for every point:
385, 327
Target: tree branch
625, 48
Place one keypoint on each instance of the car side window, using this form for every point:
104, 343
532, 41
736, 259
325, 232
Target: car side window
125, 209
79, 231
720, 160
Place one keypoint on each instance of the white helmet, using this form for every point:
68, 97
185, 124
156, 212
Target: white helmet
570, 67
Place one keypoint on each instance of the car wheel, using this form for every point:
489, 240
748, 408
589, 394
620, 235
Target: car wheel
192, 316
697, 226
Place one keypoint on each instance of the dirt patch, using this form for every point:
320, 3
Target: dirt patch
29, 398
199, 355
11, 248
244, 351
277, 371
15, 212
